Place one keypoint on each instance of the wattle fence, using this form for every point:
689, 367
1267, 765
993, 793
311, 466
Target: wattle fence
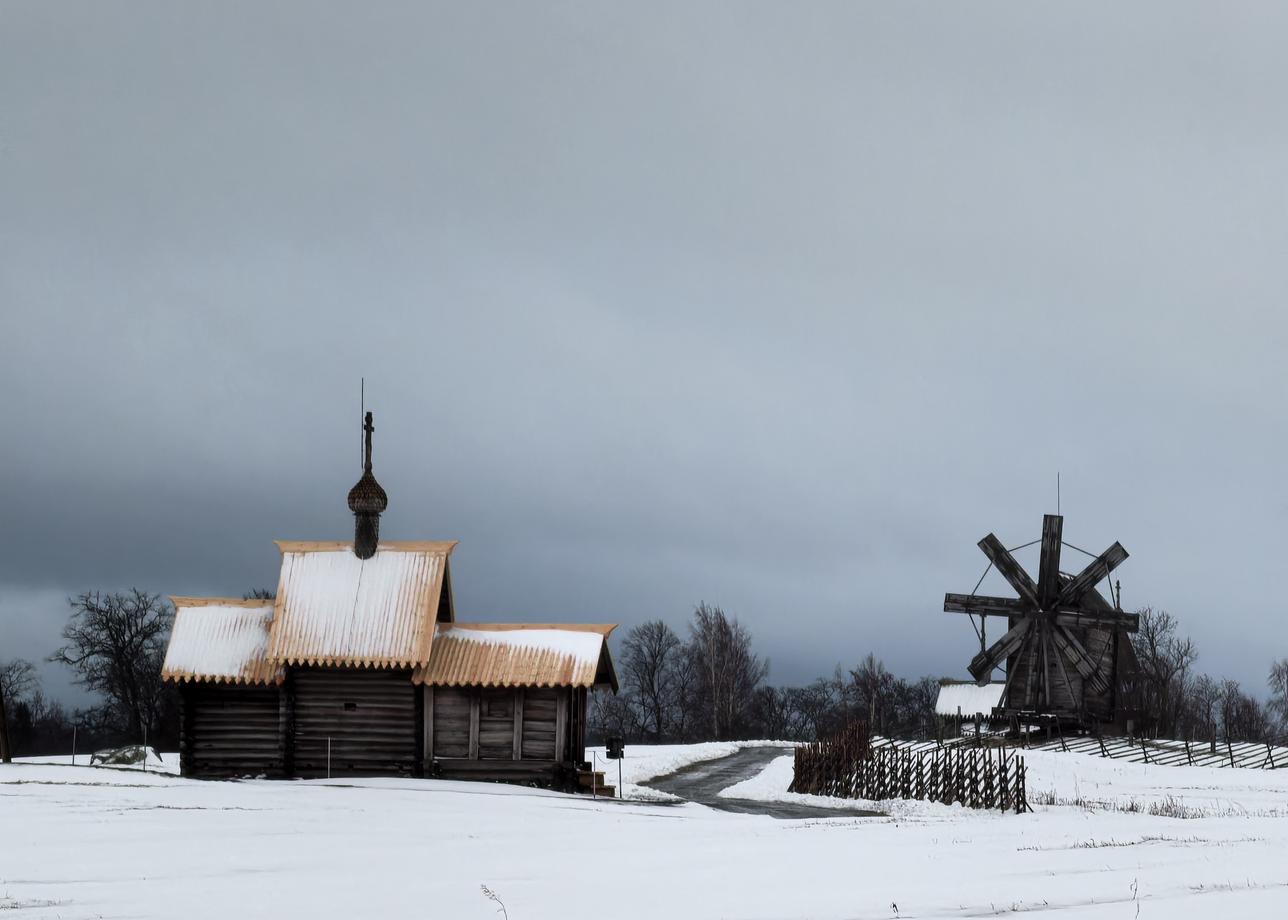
848, 766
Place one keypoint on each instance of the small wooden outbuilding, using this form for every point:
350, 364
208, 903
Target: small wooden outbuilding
359, 668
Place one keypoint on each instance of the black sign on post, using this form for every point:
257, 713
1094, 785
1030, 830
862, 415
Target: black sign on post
614, 749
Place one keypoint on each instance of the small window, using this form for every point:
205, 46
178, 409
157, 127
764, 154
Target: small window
350, 707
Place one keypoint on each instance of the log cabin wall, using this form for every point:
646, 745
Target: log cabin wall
372, 719
230, 730
380, 724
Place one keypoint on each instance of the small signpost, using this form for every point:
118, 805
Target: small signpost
615, 749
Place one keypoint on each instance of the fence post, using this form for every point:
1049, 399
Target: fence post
1003, 796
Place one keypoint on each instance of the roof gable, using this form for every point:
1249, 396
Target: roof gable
220, 640
336, 609
968, 698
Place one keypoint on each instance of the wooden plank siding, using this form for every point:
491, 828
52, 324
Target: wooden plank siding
496, 723
451, 722
369, 718
519, 734
539, 709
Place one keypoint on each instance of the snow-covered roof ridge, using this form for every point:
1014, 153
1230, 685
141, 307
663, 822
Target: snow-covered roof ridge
968, 698
519, 654
220, 640
336, 609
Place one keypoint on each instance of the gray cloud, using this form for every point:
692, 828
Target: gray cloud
774, 306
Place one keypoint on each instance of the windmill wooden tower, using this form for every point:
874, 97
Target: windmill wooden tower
1066, 651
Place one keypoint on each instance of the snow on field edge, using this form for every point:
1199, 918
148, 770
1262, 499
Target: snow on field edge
1085, 781
771, 785
648, 761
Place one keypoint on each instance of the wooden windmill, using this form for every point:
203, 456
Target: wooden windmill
1065, 652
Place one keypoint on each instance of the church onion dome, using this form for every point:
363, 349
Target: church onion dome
367, 500
368, 496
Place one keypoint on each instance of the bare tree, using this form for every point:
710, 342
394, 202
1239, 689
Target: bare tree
612, 714
652, 676
260, 594
726, 671
17, 679
1202, 713
822, 705
775, 716
1278, 682
1242, 716
115, 643
919, 705
685, 715
1165, 660
871, 690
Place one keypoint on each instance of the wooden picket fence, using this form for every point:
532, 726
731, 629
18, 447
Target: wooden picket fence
849, 766
1254, 755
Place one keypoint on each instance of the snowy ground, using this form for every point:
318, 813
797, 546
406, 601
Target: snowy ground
77, 842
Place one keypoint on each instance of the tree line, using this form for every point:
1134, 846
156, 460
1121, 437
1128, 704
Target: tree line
1178, 702
707, 684
711, 685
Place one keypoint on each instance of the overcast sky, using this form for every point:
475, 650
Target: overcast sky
782, 306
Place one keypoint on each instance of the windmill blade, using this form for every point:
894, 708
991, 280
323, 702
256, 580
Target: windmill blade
1064, 674
1103, 619
1089, 577
1034, 655
1094, 602
1011, 570
980, 604
1082, 662
982, 665
1049, 563
1012, 671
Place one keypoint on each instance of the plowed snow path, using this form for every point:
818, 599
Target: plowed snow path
702, 782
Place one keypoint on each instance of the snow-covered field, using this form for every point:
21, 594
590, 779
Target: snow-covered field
78, 842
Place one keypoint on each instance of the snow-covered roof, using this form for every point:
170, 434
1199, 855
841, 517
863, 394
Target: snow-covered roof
968, 698
221, 640
336, 609
519, 655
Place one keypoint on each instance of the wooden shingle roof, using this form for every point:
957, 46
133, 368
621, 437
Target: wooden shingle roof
220, 640
519, 655
336, 609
